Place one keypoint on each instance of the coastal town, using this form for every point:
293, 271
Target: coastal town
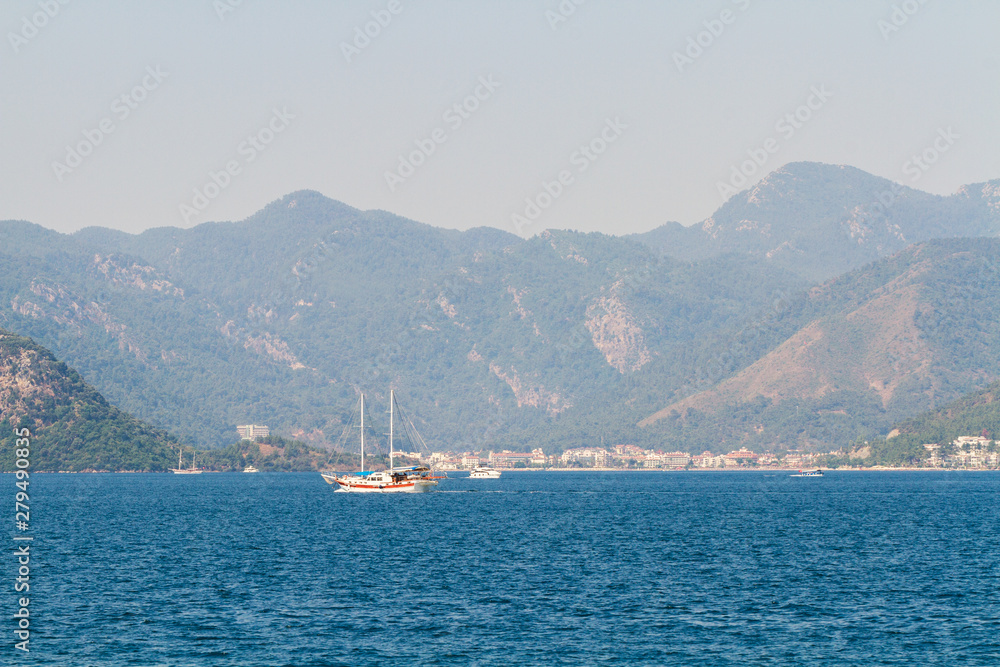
962, 453
965, 452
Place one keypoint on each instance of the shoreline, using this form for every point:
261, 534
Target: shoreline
537, 470
746, 470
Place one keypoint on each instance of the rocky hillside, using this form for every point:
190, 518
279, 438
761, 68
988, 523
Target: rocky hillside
73, 427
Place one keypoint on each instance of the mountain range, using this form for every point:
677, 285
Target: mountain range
821, 304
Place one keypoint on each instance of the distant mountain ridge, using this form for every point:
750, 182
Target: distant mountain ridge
820, 220
493, 340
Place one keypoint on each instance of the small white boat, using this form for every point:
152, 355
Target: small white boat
808, 473
185, 471
484, 472
250, 469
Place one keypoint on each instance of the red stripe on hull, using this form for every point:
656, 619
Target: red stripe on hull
369, 486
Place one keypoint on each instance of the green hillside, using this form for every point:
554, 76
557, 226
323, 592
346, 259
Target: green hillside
977, 413
72, 426
872, 348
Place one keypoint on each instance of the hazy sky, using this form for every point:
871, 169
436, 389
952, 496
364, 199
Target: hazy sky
116, 113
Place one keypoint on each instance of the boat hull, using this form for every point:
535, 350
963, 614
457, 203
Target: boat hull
348, 485
399, 480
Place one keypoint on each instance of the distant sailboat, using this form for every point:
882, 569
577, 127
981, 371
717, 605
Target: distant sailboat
179, 470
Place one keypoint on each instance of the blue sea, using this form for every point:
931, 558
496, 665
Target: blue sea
575, 568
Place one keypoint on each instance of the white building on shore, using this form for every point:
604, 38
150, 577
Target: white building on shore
253, 431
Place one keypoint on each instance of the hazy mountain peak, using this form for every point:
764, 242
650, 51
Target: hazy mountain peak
303, 202
819, 220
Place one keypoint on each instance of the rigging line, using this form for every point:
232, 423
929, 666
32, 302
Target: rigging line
372, 431
408, 423
348, 429
403, 436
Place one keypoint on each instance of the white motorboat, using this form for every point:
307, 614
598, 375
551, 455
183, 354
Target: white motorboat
250, 469
484, 472
808, 473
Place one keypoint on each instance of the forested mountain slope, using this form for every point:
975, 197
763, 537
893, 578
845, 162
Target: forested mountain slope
881, 344
495, 341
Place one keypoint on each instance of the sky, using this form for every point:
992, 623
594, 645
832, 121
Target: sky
610, 116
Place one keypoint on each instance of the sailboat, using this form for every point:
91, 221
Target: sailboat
413, 479
179, 470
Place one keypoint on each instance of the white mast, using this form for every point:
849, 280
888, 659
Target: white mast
392, 399
180, 453
362, 432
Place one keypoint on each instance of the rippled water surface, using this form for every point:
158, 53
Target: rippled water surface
533, 568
